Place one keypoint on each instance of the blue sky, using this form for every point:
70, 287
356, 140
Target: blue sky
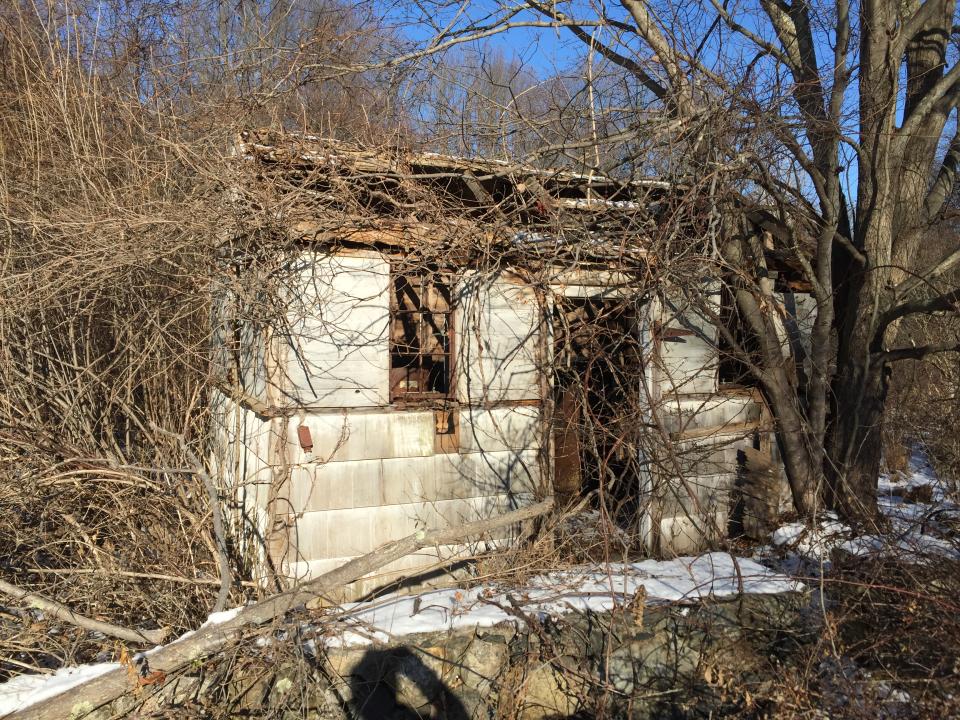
548, 51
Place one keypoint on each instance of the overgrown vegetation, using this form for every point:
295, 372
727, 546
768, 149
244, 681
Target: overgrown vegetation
118, 212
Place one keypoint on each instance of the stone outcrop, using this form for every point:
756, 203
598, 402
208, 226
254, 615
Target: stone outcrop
677, 660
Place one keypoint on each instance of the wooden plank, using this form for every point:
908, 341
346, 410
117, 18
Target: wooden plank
696, 461
490, 473
413, 480
682, 535
336, 397
499, 380
336, 486
253, 360
688, 377
566, 443
332, 533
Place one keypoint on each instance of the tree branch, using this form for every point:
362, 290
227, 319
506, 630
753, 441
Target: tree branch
946, 88
941, 303
219, 532
731, 22
101, 690
914, 353
946, 178
647, 80
912, 26
63, 612
950, 260
667, 56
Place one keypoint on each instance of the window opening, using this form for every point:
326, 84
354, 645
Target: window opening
421, 347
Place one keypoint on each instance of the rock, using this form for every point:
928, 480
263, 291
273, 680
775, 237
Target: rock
547, 693
582, 663
483, 661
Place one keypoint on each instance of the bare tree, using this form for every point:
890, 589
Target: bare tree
116, 126
786, 103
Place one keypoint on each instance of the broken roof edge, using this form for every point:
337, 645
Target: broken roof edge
300, 148
548, 213
417, 236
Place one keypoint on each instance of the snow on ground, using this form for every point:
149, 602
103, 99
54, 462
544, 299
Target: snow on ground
920, 473
916, 530
597, 588
25, 690
812, 542
586, 588
913, 546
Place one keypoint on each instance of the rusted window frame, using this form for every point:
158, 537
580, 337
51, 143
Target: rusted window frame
423, 277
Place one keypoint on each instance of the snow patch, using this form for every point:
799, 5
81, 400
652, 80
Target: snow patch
587, 588
26, 690
23, 691
596, 588
221, 617
812, 542
914, 526
914, 547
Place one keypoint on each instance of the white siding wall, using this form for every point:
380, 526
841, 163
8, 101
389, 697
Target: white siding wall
335, 350
683, 414
497, 352
689, 363
240, 462
693, 486
376, 472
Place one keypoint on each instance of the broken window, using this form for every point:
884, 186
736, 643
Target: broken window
421, 346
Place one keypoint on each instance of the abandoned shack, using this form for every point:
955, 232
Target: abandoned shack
432, 340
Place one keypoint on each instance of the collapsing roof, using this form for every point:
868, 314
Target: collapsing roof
472, 183
397, 195
329, 191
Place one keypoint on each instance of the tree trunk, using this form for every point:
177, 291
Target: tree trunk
855, 441
792, 439
778, 377
859, 386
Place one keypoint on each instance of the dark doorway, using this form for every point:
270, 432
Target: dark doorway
597, 396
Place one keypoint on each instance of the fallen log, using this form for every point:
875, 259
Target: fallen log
65, 613
84, 699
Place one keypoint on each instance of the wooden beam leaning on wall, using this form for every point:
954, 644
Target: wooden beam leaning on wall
87, 697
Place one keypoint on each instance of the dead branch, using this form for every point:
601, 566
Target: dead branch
223, 558
214, 638
916, 353
62, 612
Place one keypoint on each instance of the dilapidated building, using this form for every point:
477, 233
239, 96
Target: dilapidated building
436, 340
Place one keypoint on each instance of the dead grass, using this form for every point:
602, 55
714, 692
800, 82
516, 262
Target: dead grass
886, 646
127, 547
